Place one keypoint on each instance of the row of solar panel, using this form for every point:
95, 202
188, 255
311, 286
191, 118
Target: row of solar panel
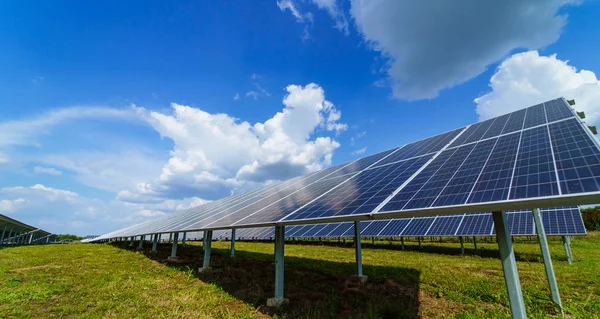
484, 168
557, 221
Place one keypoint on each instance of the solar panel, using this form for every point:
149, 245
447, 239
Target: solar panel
539, 156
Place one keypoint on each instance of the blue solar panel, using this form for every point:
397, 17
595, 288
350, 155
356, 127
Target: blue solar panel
326, 230
496, 128
395, 227
363, 193
515, 122
341, 229
562, 221
577, 158
418, 226
374, 228
426, 146
494, 181
535, 116
520, 223
444, 226
476, 225
534, 171
557, 110
313, 231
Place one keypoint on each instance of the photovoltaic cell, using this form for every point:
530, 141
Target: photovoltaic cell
444, 226
562, 221
374, 228
577, 158
535, 116
362, 193
534, 174
497, 127
395, 227
557, 110
418, 226
494, 182
339, 231
515, 122
326, 230
476, 225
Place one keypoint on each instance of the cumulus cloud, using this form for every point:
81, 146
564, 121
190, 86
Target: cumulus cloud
433, 45
359, 151
47, 170
216, 153
7, 205
527, 78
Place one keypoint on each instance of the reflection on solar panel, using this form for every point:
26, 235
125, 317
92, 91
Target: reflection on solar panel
541, 156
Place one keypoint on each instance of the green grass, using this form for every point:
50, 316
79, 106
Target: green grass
98, 281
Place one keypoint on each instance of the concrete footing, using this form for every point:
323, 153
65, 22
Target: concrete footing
361, 279
173, 258
276, 302
204, 269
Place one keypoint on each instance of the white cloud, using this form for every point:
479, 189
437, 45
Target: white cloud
303, 18
527, 78
252, 94
336, 13
47, 170
433, 45
255, 76
215, 153
4, 159
8, 205
359, 151
236, 97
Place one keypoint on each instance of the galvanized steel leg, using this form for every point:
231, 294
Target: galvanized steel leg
174, 248
207, 248
420, 245
154, 244
567, 245
204, 234
2, 236
358, 253
509, 266
402, 242
475, 243
141, 246
539, 226
184, 239
462, 245
10, 232
232, 249
278, 300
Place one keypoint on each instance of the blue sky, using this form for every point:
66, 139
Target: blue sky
115, 112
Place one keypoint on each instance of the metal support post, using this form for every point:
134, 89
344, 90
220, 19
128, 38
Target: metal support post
475, 243
2, 236
206, 262
462, 245
567, 245
358, 253
141, 246
174, 248
170, 237
183, 239
278, 300
154, 244
509, 266
539, 226
420, 245
47, 239
232, 248
204, 239
131, 244
402, 242
10, 232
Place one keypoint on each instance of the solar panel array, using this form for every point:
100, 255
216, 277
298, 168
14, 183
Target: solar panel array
540, 156
557, 221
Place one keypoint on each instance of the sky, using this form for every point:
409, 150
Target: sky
116, 112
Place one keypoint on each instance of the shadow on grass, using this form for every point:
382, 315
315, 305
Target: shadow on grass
315, 288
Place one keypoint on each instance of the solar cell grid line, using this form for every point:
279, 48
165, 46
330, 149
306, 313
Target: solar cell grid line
260, 193
445, 225
458, 188
521, 223
552, 152
497, 127
303, 231
557, 110
277, 210
299, 231
232, 214
476, 225
467, 133
396, 227
534, 170
362, 163
515, 122
426, 146
327, 229
265, 232
361, 194
563, 221
429, 190
494, 180
480, 131
418, 227
339, 231
577, 157
362, 225
375, 227
313, 231
535, 116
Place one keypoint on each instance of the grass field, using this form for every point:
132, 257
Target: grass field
106, 281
